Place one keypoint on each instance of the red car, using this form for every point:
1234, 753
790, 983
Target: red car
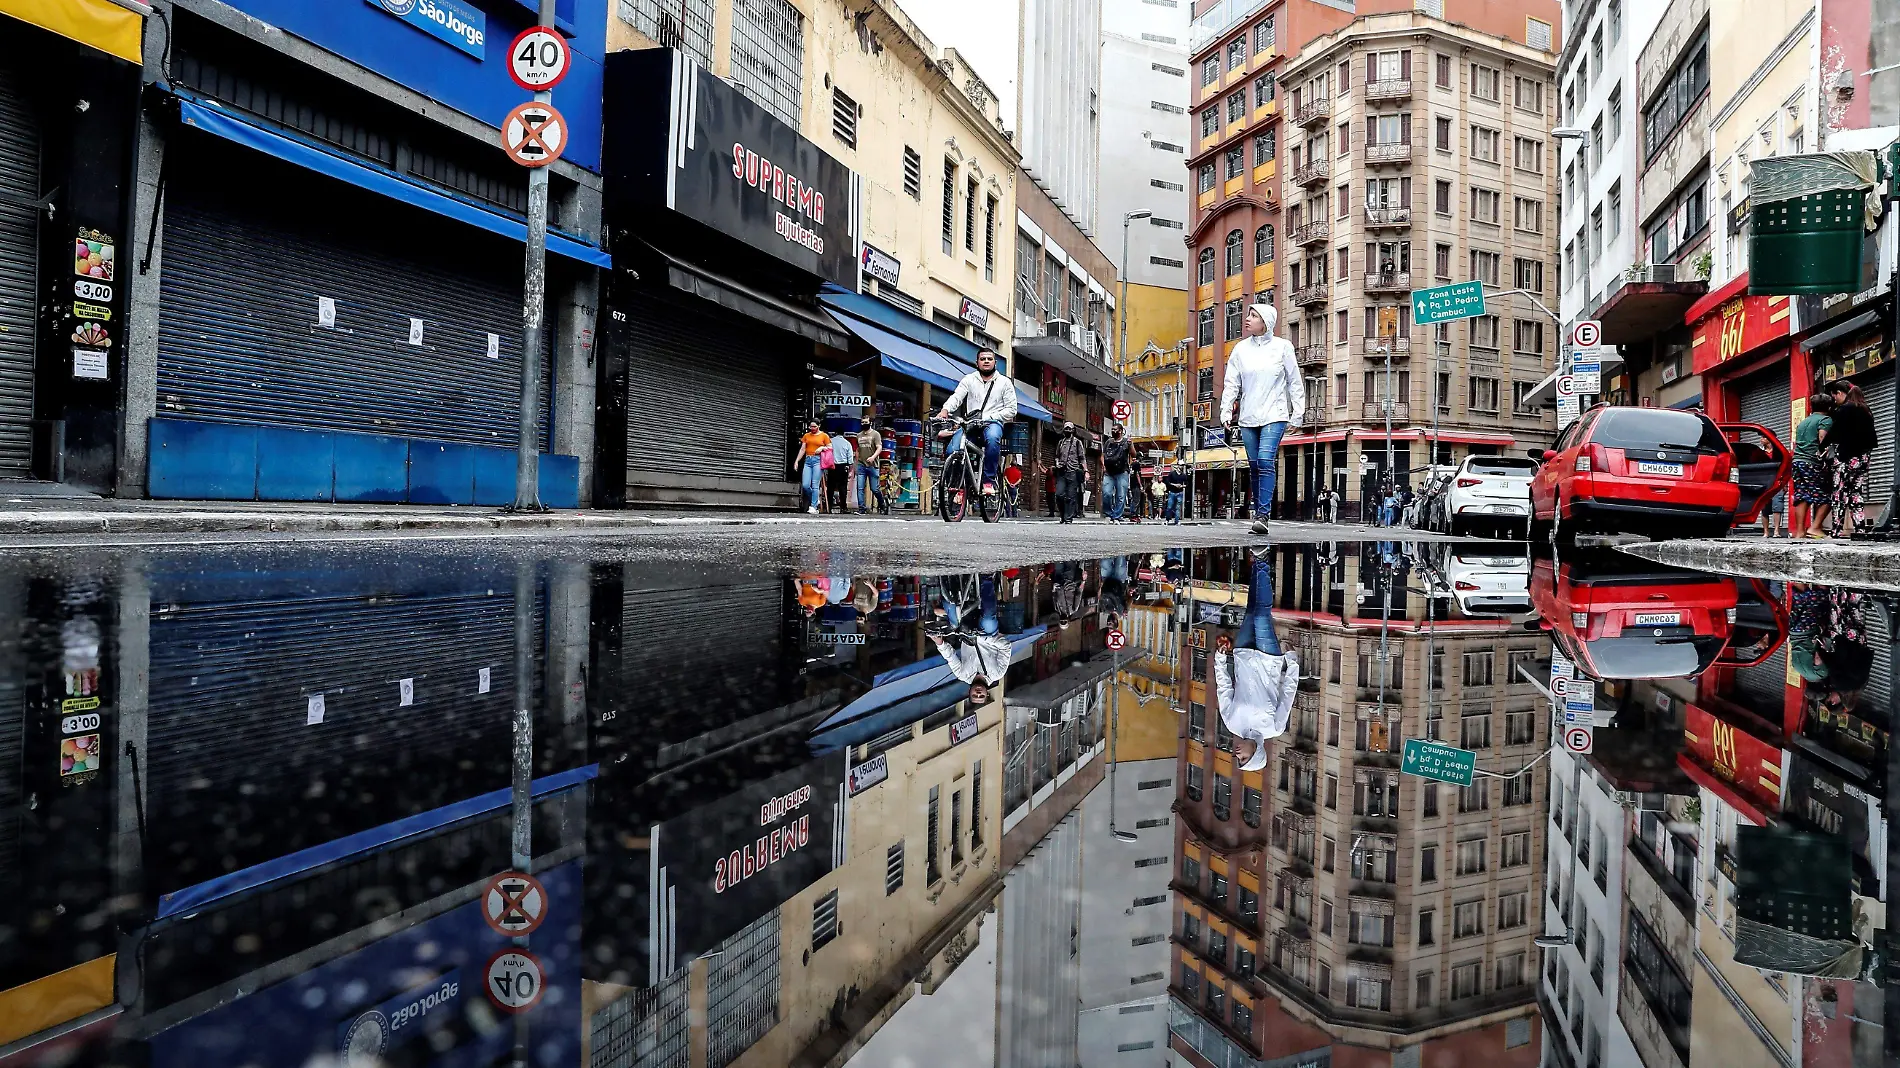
1620, 618
1657, 471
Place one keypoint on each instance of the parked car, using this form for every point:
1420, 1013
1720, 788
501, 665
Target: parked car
1617, 617
1492, 493
1489, 580
1655, 471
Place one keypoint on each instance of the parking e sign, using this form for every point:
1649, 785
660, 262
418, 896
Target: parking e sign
1587, 334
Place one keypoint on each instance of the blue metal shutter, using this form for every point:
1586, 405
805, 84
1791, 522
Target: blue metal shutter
250, 245
236, 774
19, 248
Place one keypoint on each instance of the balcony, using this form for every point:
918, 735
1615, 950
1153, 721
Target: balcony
1311, 296
1311, 355
1382, 217
1399, 347
1389, 282
1311, 233
1314, 112
1374, 412
1400, 152
1313, 173
1392, 89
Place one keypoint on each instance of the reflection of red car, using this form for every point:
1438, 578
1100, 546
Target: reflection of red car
1619, 467
1651, 622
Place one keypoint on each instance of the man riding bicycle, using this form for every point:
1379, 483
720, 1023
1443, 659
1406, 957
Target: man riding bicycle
985, 397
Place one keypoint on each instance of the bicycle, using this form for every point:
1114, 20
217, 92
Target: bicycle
963, 474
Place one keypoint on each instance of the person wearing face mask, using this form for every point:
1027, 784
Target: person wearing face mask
1072, 467
987, 398
1116, 452
1261, 396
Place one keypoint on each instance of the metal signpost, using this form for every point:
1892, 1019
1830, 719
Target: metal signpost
1436, 760
1569, 405
538, 60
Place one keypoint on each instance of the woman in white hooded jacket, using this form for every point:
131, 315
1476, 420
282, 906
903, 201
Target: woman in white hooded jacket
1262, 395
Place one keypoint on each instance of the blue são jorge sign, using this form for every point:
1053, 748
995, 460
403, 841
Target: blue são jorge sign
460, 25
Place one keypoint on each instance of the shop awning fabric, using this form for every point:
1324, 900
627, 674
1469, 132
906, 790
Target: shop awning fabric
241, 130
907, 357
115, 28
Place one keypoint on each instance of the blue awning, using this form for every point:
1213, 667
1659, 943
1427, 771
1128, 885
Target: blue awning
900, 322
907, 357
909, 688
242, 130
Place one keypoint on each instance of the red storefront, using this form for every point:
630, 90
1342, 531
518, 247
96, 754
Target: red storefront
1740, 768
1750, 372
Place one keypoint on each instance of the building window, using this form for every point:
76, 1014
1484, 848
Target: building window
1515, 851
1236, 107
976, 805
1517, 790
1485, 205
969, 214
1476, 797
1234, 315
1441, 72
933, 871
1263, 90
1263, 244
1528, 94
950, 206
1441, 133
1470, 858
1528, 334
1204, 177
1441, 262
1441, 197
1528, 155
1466, 979
1484, 398
1467, 919
1528, 274
1237, 52
1484, 82
844, 118
893, 869
1484, 144
1236, 161
1250, 806
1235, 253
1206, 266
989, 238
824, 921
1528, 215
1204, 337
913, 174
1210, 70
1686, 85
1163, 67
1196, 777
768, 56
686, 26
1210, 121
1484, 268
1263, 35
1263, 148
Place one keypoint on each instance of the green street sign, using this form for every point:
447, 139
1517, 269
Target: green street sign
1442, 304
1436, 760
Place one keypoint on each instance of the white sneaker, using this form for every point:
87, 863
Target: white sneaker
813, 511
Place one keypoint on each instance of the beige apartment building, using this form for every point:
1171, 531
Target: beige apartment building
1352, 906
1419, 154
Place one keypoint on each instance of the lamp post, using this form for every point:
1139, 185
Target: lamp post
1121, 313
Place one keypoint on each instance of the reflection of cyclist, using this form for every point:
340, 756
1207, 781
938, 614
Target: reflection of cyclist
1254, 680
967, 634
986, 397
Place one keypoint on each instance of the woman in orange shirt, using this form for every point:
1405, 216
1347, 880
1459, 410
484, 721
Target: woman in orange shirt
807, 463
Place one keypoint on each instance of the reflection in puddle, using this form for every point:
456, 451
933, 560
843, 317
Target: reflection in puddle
1095, 812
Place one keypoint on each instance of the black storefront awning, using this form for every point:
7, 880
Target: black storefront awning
748, 301
1858, 322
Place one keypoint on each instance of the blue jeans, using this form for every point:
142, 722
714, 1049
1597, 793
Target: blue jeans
985, 621
1115, 494
1177, 500
992, 448
813, 481
1263, 455
1256, 627
869, 489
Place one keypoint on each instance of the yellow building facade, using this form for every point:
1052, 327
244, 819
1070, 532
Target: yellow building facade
1156, 360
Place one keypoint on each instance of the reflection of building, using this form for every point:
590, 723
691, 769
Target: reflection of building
1336, 902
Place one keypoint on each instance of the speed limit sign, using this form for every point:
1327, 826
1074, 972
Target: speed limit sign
514, 980
538, 58
1122, 410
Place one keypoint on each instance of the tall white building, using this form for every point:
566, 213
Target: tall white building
1144, 131
1584, 895
1058, 103
1124, 949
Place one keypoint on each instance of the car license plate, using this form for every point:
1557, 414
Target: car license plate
1658, 619
1672, 470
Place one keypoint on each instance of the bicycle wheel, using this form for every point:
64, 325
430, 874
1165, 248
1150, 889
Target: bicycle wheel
991, 505
952, 497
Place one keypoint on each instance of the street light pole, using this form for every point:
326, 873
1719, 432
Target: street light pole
1121, 313
533, 303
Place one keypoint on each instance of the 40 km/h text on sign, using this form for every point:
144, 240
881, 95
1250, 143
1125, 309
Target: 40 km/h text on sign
538, 58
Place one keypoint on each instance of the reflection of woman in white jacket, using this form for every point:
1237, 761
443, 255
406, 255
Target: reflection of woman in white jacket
1261, 395
1254, 681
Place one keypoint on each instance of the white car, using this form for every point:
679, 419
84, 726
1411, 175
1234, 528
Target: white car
1489, 580
1492, 492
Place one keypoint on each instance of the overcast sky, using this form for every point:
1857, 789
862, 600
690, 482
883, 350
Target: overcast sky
984, 31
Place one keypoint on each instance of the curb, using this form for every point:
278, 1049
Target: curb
1864, 564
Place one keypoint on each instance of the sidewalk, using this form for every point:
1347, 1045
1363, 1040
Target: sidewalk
1873, 564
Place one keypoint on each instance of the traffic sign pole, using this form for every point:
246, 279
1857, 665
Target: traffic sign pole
534, 284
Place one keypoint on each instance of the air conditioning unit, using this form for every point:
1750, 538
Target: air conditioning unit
1090, 342
1650, 272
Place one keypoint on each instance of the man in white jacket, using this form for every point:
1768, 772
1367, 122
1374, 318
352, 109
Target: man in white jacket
1262, 394
968, 637
988, 396
1254, 681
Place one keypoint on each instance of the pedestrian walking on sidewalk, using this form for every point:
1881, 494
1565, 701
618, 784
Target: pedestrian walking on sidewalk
1072, 471
1262, 395
1852, 441
838, 475
1176, 483
1116, 453
808, 464
870, 446
1808, 517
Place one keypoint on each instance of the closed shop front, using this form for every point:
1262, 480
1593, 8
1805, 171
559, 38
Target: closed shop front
339, 279
1858, 348
19, 247
726, 224
1766, 398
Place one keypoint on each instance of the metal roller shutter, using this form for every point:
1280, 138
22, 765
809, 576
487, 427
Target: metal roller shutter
1877, 387
19, 249
233, 760
1766, 399
244, 265
705, 656
13, 706
709, 391
1765, 685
